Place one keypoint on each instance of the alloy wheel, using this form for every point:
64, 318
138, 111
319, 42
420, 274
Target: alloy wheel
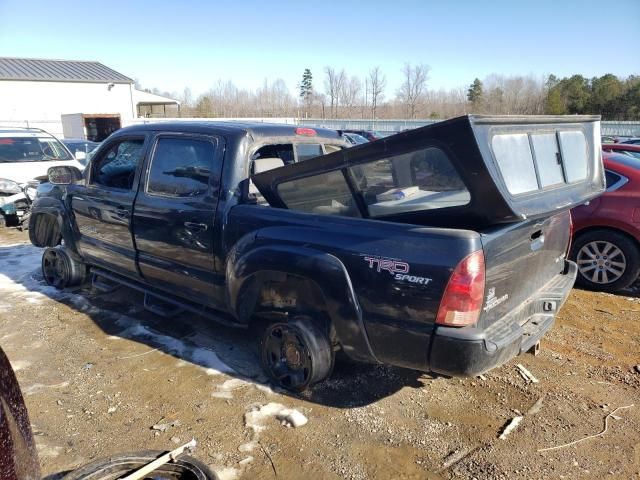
601, 262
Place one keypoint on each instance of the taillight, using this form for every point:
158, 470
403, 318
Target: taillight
309, 132
463, 298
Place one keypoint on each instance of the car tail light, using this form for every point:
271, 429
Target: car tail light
308, 132
462, 300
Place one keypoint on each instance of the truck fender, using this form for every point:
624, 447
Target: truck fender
247, 272
53, 208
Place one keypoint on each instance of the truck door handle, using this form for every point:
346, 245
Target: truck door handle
122, 212
537, 240
196, 227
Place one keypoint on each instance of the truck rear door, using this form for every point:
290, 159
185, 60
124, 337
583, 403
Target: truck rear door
174, 216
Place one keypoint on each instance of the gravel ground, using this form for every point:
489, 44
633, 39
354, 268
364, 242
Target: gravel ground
98, 372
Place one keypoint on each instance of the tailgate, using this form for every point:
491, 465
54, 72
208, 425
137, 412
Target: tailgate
469, 172
520, 259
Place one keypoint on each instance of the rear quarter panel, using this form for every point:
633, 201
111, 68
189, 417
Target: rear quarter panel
398, 271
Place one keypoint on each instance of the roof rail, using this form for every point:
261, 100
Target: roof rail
36, 129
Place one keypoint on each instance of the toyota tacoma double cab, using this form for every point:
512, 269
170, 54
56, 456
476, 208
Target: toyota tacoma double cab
441, 249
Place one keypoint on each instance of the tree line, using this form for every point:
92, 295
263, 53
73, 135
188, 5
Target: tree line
336, 94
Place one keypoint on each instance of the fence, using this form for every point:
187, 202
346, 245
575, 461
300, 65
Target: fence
616, 128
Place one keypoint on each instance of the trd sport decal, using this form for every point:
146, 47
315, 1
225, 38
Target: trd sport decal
397, 268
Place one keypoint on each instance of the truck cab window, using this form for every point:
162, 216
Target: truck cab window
283, 151
305, 151
181, 167
116, 168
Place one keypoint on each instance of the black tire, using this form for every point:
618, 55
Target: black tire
184, 468
607, 260
61, 269
296, 354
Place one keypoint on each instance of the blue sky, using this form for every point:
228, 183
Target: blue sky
171, 45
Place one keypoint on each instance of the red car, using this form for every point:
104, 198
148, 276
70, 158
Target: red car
606, 239
624, 148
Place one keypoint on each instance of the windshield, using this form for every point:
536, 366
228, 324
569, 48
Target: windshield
31, 149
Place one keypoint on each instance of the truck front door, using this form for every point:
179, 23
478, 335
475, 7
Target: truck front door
174, 217
103, 208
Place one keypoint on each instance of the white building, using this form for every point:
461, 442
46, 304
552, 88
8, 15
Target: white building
73, 98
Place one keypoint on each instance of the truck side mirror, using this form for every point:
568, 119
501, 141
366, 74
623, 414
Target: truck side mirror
64, 175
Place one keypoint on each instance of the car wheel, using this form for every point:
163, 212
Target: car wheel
119, 466
296, 354
607, 260
60, 269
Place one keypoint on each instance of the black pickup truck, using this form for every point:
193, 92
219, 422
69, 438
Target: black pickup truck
440, 249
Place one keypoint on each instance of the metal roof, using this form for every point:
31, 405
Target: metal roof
41, 70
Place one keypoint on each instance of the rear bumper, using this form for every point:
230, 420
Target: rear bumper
472, 351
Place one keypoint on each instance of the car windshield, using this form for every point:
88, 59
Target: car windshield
31, 149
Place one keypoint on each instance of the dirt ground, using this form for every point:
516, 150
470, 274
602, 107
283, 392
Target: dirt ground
98, 372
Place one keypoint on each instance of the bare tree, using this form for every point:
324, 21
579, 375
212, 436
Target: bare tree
413, 86
377, 83
349, 92
333, 85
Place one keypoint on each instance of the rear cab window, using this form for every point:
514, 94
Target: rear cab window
288, 153
295, 152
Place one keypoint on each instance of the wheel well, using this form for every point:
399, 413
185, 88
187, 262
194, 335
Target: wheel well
45, 231
283, 295
586, 230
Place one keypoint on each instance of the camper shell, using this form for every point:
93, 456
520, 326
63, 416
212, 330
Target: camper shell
483, 170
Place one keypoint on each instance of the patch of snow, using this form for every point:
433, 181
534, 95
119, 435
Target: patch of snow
247, 447
20, 277
197, 355
225, 390
259, 415
292, 418
264, 388
226, 473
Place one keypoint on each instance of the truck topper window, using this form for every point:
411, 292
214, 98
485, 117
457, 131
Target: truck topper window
181, 167
424, 179
328, 196
534, 161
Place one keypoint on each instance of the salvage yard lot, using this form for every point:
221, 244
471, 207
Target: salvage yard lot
98, 372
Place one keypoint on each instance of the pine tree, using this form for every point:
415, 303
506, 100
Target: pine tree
306, 86
474, 94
